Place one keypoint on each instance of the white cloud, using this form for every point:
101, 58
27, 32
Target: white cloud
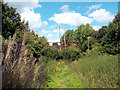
102, 16
61, 30
33, 18
49, 35
92, 7
45, 32
87, 12
65, 8
23, 4
71, 18
95, 6
96, 27
26, 10
51, 26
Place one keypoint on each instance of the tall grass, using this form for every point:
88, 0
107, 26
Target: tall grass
58, 77
97, 71
19, 69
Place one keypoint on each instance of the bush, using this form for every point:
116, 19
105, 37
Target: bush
18, 69
50, 52
60, 55
97, 49
72, 53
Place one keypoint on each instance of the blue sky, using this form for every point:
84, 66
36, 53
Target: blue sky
44, 17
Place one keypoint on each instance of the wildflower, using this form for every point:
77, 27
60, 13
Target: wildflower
117, 87
43, 66
24, 71
62, 62
22, 60
14, 44
75, 61
110, 55
20, 42
26, 50
30, 66
65, 68
30, 70
19, 45
31, 60
43, 74
59, 84
57, 68
58, 63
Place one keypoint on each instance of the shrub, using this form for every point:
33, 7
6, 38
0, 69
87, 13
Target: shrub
97, 49
50, 52
72, 53
60, 55
18, 69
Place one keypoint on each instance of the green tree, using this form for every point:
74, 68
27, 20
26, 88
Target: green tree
68, 36
116, 20
81, 34
98, 35
111, 41
11, 21
35, 44
50, 52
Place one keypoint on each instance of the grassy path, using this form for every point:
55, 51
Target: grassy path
94, 71
63, 79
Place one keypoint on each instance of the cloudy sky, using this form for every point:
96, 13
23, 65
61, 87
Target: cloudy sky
44, 17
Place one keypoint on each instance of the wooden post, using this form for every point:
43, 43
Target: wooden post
59, 36
88, 44
64, 37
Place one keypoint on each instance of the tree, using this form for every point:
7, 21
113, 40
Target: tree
99, 34
11, 21
111, 41
81, 34
68, 36
35, 44
116, 20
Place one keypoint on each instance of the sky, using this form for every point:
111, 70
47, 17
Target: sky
45, 17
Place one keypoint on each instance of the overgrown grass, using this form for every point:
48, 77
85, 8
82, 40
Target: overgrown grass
25, 71
97, 71
87, 72
59, 76
19, 69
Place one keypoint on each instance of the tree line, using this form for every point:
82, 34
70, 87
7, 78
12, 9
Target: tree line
105, 40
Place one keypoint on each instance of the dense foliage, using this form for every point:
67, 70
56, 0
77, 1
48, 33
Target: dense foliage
35, 44
25, 55
106, 38
18, 69
11, 21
